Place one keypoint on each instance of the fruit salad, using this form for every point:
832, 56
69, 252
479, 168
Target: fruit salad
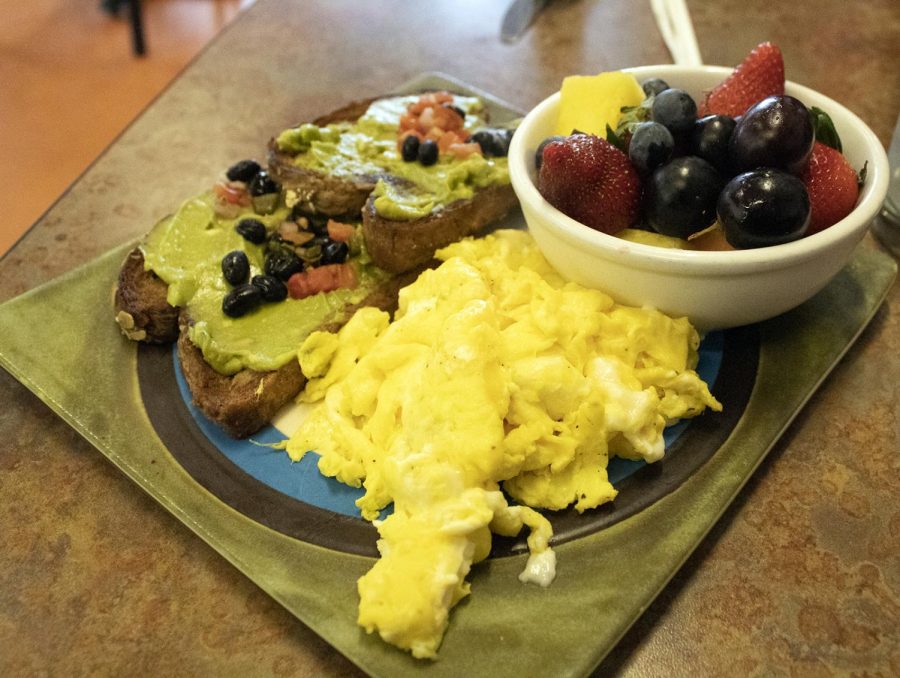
747, 166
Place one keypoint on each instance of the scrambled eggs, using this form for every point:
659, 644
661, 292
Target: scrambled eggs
496, 374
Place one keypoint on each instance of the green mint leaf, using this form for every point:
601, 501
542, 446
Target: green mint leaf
824, 129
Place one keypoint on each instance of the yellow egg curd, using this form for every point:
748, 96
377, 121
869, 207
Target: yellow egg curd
497, 379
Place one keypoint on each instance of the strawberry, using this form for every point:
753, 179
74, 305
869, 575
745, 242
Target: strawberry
759, 75
832, 185
592, 181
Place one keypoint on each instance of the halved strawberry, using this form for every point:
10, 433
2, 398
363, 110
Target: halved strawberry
759, 75
833, 187
592, 181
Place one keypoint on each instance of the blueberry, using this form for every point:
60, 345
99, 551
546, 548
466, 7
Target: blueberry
654, 86
651, 146
241, 300
428, 152
334, 252
763, 207
236, 267
709, 140
263, 184
680, 197
675, 109
272, 288
244, 171
283, 264
410, 148
539, 153
252, 230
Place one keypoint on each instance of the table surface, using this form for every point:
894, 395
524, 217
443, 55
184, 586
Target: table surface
802, 573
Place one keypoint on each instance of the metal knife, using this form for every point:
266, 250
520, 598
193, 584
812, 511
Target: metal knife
887, 224
519, 17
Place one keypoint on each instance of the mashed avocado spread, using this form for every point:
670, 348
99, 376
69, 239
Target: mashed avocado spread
185, 250
369, 147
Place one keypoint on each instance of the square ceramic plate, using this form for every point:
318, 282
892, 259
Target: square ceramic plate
612, 563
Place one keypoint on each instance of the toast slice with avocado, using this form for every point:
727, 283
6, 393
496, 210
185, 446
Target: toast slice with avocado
240, 290
243, 273
424, 169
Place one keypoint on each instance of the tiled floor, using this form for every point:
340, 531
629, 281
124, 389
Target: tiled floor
69, 84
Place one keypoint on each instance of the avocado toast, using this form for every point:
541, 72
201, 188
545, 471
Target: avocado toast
425, 170
241, 274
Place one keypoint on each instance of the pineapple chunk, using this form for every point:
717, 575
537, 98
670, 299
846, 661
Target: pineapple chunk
589, 103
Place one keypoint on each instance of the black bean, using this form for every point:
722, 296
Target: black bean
317, 241
283, 264
241, 300
235, 267
318, 224
263, 184
244, 171
252, 230
485, 140
456, 109
334, 252
428, 152
409, 150
272, 288
494, 142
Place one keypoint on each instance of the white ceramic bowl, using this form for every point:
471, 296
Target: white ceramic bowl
714, 289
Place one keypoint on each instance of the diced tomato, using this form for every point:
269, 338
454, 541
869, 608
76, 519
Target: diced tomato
451, 138
427, 118
447, 118
340, 231
464, 150
430, 118
321, 279
430, 99
232, 193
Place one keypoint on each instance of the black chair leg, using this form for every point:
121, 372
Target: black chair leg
137, 27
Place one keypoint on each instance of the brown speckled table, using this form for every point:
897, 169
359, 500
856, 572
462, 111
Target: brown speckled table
801, 576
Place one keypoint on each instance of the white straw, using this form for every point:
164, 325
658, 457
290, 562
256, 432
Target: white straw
675, 25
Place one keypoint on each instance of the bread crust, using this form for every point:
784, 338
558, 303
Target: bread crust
142, 312
398, 246
242, 403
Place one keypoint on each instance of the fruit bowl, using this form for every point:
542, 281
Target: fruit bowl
717, 289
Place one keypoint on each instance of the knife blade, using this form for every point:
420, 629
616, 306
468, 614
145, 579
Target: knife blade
518, 18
